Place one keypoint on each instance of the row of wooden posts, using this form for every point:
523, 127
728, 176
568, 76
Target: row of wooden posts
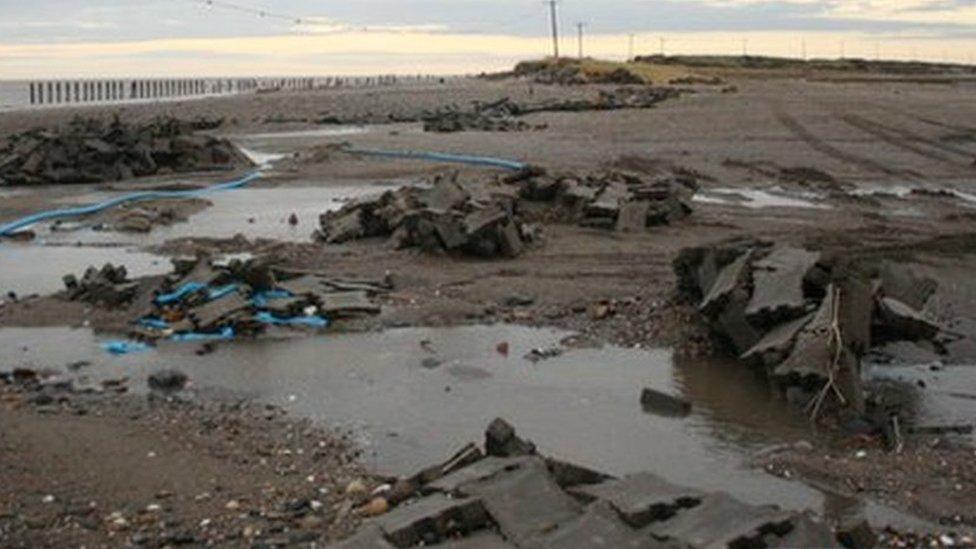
61, 92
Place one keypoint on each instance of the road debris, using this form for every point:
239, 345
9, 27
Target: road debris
90, 150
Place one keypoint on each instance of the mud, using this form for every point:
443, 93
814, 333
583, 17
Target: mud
609, 287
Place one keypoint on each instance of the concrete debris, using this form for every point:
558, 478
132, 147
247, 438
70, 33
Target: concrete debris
569, 72
90, 150
662, 404
501, 441
521, 502
168, 381
204, 299
446, 217
788, 309
497, 116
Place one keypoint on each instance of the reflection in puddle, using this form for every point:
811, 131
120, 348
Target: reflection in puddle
583, 405
753, 198
317, 132
28, 269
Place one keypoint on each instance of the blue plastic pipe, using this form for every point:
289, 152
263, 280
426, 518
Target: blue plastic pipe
10, 228
486, 161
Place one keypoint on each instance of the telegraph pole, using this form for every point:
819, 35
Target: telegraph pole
579, 28
555, 27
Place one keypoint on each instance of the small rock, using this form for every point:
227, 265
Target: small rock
168, 380
376, 507
356, 488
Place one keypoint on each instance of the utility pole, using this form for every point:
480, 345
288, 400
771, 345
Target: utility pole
630, 47
579, 28
555, 27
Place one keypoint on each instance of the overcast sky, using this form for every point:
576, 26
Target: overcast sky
148, 37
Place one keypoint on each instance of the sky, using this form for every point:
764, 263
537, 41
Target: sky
100, 38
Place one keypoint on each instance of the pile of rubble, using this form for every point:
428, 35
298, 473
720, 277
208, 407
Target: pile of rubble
508, 496
808, 318
90, 150
203, 299
497, 116
614, 199
571, 72
484, 219
502, 115
449, 216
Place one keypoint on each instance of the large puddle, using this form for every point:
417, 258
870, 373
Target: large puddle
583, 405
255, 212
31, 269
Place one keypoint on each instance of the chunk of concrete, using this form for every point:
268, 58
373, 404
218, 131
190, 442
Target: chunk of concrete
525, 503
812, 353
598, 527
722, 521
633, 217
734, 325
211, 315
368, 537
432, 519
778, 285
662, 404
480, 470
900, 283
902, 322
340, 304
478, 540
729, 278
642, 498
807, 532
778, 341
501, 441
568, 475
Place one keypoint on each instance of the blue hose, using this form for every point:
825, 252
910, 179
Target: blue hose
444, 157
10, 228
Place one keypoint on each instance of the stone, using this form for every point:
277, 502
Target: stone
501, 441
214, 314
343, 304
642, 498
734, 325
807, 532
567, 475
478, 540
662, 404
857, 535
434, 518
168, 380
778, 285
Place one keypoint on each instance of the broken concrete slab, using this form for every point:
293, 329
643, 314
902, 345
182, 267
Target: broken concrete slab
734, 324
774, 346
567, 475
598, 527
480, 470
642, 498
368, 537
432, 519
525, 503
899, 321
340, 304
900, 283
729, 278
632, 217
722, 521
478, 540
216, 313
778, 285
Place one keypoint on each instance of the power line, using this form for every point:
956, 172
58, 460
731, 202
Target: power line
231, 6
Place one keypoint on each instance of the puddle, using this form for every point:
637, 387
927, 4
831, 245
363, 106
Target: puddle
582, 406
302, 134
753, 198
907, 191
31, 269
255, 212
948, 396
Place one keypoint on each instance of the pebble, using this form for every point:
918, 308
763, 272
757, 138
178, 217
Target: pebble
48, 499
233, 505
356, 487
376, 507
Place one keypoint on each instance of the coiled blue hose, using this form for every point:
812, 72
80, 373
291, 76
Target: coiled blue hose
469, 160
12, 227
